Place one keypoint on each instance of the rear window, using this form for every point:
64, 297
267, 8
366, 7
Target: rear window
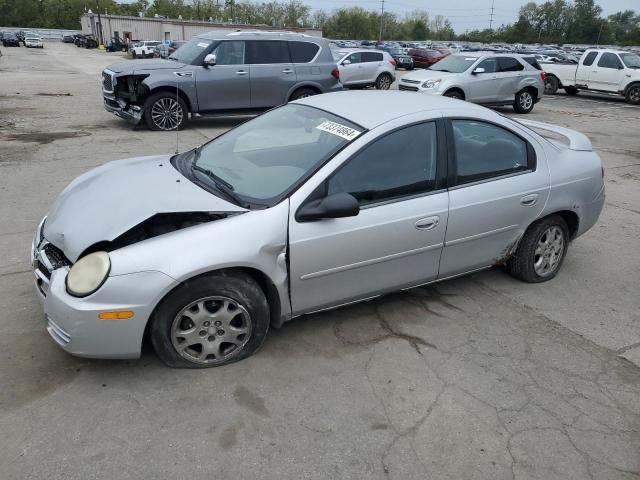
303, 52
260, 52
588, 60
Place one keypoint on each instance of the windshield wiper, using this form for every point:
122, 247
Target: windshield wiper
221, 185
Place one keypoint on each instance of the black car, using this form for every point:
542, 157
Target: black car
10, 40
86, 41
402, 59
67, 38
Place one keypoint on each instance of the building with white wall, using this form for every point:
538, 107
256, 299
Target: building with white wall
141, 28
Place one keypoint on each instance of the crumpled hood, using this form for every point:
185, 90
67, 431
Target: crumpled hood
138, 66
423, 75
103, 203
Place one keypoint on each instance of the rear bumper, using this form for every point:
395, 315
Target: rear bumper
590, 213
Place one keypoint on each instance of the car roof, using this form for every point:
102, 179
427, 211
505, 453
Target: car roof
372, 108
258, 34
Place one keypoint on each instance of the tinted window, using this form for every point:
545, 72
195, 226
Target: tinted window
303, 52
371, 57
267, 51
533, 62
396, 165
485, 151
609, 60
588, 60
230, 53
509, 64
490, 65
355, 58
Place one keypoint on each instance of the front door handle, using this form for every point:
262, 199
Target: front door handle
241, 72
428, 223
287, 70
529, 200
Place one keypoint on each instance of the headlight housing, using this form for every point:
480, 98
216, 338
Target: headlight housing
432, 83
88, 274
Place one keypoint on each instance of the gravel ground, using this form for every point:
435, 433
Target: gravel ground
479, 377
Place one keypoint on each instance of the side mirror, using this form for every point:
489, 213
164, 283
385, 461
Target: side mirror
338, 205
478, 70
210, 60
346, 62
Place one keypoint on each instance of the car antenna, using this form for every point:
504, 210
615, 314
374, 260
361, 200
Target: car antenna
177, 124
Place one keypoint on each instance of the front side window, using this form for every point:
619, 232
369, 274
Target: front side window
399, 164
230, 53
588, 60
260, 52
485, 151
609, 60
263, 158
509, 64
355, 57
490, 65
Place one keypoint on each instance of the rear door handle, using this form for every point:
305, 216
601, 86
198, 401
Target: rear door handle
529, 200
428, 223
241, 72
287, 70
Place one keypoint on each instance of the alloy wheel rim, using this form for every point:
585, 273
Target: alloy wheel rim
166, 113
635, 94
211, 330
549, 251
526, 100
384, 83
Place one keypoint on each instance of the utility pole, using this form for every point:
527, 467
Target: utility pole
491, 20
381, 21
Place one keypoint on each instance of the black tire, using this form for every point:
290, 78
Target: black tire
302, 93
522, 264
454, 94
551, 85
571, 90
524, 101
169, 98
133, 54
383, 82
632, 95
236, 286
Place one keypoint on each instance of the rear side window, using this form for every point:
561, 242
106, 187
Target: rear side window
400, 164
485, 151
533, 62
588, 60
609, 60
267, 51
509, 64
303, 52
371, 57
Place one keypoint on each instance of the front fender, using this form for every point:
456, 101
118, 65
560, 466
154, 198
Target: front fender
169, 80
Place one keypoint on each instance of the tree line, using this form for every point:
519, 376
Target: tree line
555, 21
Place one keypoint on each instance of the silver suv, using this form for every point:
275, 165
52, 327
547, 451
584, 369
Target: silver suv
239, 73
484, 78
365, 68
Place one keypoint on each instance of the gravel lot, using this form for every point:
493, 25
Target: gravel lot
480, 377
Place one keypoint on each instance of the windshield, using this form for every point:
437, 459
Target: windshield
454, 64
631, 60
191, 51
263, 158
396, 51
337, 55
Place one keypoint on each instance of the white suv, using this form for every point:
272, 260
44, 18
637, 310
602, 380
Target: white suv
365, 68
144, 49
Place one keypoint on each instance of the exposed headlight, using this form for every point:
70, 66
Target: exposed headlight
431, 83
88, 274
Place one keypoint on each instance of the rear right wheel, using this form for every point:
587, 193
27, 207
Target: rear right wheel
384, 81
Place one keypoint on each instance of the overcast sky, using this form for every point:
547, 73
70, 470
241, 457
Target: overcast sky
463, 14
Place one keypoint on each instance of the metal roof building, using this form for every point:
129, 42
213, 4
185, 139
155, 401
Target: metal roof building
141, 28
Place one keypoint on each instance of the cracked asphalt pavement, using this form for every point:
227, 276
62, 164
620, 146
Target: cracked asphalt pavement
481, 377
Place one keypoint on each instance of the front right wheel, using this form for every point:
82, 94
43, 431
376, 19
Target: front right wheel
210, 321
541, 251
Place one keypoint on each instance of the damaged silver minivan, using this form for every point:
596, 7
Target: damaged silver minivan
325, 201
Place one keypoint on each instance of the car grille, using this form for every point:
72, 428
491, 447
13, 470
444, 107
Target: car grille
111, 103
55, 256
406, 80
408, 88
59, 334
107, 82
47, 258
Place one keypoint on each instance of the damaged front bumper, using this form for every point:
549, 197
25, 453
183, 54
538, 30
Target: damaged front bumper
122, 109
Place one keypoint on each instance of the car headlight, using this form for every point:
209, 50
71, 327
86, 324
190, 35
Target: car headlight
432, 83
88, 274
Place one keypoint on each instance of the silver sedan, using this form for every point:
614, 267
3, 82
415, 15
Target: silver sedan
325, 201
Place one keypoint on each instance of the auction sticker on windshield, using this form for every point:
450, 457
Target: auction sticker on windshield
338, 129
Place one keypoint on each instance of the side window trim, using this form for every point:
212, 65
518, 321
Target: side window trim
452, 180
441, 167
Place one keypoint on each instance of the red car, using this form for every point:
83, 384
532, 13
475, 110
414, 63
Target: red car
425, 57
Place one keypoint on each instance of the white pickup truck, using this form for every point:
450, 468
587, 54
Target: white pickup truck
599, 70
